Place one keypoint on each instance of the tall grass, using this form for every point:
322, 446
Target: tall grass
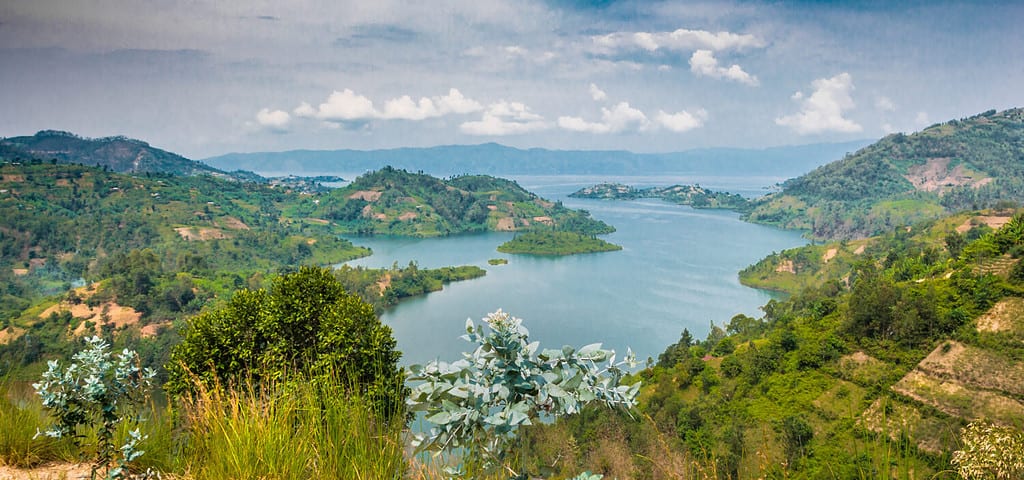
21, 416
290, 430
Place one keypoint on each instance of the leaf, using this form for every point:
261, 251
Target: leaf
555, 391
439, 418
588, 350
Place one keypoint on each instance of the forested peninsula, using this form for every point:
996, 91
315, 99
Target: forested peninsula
692, 195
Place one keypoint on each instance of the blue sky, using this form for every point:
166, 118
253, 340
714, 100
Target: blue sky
204, 77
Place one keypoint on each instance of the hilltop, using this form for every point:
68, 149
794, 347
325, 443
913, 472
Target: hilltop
396, 202
966, 164
119, 154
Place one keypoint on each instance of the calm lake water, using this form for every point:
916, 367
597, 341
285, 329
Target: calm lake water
678, 269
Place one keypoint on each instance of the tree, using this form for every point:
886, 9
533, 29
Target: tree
306, 322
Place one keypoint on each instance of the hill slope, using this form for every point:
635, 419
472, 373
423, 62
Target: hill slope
871, 371
62, 223
974, 163
119, 154
397, 202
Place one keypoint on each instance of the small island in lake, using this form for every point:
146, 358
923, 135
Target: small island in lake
692, 195
498, 261
552, 242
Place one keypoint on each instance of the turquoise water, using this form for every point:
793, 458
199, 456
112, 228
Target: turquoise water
678, 269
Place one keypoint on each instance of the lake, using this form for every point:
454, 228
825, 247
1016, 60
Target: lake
678, 269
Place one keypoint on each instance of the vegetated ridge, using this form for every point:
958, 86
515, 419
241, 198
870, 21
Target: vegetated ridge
871, 369
396, 202
692, 195
966, 164
86, 250
119, 154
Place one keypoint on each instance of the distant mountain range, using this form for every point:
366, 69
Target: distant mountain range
495, 159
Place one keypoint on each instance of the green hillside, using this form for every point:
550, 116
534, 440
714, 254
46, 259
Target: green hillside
967, 164
119, 154
396, 202
871, 371
63, 223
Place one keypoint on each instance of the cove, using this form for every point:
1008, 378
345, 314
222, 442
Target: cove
678, 269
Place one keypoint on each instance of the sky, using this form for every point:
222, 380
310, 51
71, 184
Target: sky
207, 77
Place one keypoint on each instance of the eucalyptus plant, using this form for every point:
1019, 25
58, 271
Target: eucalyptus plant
478, 403
96, 391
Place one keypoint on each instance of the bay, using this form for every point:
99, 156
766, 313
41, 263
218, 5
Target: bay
678, 269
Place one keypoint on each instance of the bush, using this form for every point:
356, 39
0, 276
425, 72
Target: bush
305, 323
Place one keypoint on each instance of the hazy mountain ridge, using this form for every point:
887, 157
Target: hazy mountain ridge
495, 159
972, 163
118, 153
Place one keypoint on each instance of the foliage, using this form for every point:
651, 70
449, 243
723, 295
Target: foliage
163, 245
396, 202
479, 402
97, 390
868, 192
385, 287
551, 242
990, 451
305, 322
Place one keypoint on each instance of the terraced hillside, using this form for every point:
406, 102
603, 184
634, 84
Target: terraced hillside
396, 202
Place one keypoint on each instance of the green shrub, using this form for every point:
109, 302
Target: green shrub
306, 322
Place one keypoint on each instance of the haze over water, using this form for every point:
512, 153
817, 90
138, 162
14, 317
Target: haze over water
678, 269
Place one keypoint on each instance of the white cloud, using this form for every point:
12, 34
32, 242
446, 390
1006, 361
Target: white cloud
887, 128
455, 102
273, 119
505, 118
304, 110
681, 121
597, 94
922, 120
823, 110
885, 104
403, 108
347, 106
704, 63
678, 40
618, 119
343, 106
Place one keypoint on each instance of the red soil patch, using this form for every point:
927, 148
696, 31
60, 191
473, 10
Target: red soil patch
201, 233
993, 221
785, 266
936, 176
233, 223
505, 225
829, 254
366, 195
